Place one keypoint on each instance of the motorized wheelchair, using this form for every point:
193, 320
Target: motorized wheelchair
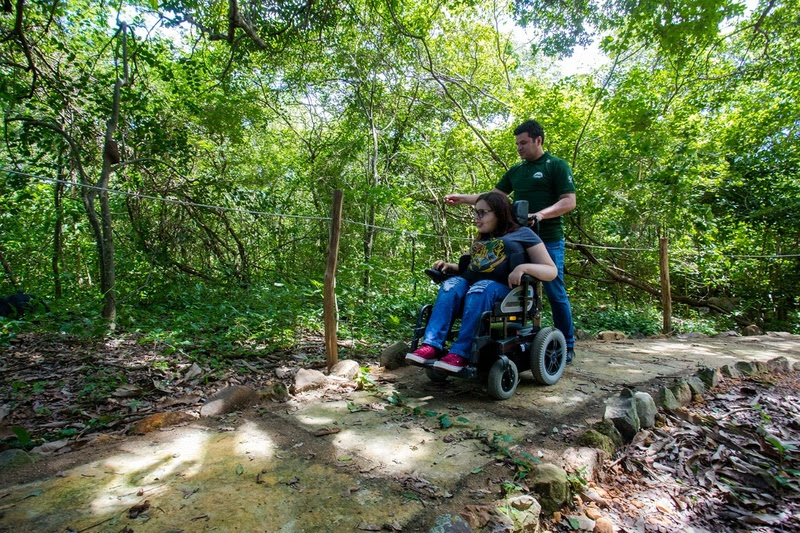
508, 340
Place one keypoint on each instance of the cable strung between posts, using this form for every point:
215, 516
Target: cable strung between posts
413, 234
220, 208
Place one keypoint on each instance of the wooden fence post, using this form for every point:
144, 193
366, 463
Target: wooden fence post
666, 292
329, 308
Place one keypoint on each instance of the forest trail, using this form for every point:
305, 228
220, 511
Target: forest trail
345, 460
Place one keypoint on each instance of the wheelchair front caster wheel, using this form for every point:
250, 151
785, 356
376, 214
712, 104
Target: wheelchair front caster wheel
503, 379
435, 375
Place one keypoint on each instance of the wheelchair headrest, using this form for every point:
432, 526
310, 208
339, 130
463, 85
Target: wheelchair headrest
519, 210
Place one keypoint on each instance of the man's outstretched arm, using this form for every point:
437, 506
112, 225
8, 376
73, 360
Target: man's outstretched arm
469, 199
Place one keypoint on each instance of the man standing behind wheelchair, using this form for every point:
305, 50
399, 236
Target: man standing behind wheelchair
498, 259
546, 183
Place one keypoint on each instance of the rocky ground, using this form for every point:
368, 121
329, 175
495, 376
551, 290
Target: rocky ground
725, 460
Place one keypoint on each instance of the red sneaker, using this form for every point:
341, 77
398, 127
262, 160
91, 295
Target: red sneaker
424, 355
451, 363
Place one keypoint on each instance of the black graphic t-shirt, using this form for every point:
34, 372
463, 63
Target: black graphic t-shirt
496, 258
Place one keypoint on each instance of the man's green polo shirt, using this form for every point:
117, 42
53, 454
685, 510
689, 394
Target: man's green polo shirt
541, 182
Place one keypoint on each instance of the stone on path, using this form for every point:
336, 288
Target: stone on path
308, 379
15, 458
394, 355
779, 364
230, 399
611, 336
347, 369
550, 483
645, 409
667, 400
682, 391
751, 330
622, 412
730, 372
709, 376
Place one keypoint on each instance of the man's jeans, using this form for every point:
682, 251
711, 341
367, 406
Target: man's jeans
454, 295
557, 294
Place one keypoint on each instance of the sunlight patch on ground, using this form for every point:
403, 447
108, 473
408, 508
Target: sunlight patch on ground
253, 442
148, 473
565, 399
395, 452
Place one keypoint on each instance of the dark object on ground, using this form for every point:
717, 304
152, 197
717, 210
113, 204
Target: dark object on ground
18, 304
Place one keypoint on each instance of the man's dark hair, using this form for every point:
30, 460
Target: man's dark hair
502, 211
532, 128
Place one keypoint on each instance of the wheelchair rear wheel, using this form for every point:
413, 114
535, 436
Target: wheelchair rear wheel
548, 356
503, 380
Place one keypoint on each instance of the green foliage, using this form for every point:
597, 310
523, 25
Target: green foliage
690, 135
643, 321
23, 437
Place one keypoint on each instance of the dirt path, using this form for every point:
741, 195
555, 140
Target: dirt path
344, 460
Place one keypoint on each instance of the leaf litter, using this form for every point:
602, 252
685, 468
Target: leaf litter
728, 462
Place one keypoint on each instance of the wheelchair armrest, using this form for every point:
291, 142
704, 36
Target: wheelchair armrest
437, 275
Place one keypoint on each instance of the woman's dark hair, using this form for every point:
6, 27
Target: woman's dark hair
501, 207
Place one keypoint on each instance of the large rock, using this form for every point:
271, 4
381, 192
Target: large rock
611, 336
230, 399
779, 364
394, 355
667, 400
621, 411
526, 516
347, 369
682, 391
586, 460
15, 458
746, 368
751, 330
645, 409
550, 483
308, 379
730, 372
696, 385
594, 439
710, 376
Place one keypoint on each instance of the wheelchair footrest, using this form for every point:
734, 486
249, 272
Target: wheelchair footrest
469, 372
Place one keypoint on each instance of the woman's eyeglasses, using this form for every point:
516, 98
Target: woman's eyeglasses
480, 213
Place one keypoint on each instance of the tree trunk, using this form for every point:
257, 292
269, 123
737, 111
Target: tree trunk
58, 190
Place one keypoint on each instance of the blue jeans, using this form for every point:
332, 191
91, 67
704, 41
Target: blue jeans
456, 294
557, 294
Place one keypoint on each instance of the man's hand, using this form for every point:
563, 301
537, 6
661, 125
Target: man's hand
455, 199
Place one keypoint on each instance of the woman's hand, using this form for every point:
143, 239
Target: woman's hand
445, 267
515, 278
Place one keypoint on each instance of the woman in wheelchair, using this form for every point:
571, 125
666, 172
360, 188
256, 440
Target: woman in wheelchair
501, 255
